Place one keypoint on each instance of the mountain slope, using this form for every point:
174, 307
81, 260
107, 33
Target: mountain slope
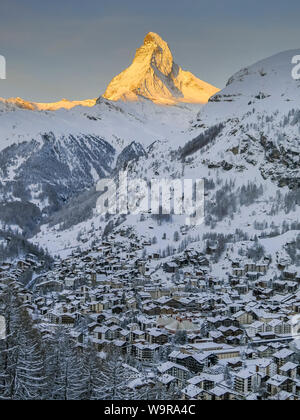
41, 176
118, 123
47, 158
154, 75
260, 109
267, 85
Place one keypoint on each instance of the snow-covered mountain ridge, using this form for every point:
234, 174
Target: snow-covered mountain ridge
52, 156
13, 103
267, 85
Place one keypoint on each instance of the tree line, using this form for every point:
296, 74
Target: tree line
51, 366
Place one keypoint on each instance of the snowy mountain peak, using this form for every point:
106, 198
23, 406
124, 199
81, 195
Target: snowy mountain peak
154, 75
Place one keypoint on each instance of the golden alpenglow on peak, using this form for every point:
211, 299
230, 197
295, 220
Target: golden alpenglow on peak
154, 75
41, 106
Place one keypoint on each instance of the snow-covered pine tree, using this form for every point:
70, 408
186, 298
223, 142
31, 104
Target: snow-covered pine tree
65, 370
22, 369
91, 369
114, 379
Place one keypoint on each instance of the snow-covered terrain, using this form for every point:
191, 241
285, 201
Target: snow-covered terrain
219, 300
12, 103
154, 75
52, 156
246, 137
118, 123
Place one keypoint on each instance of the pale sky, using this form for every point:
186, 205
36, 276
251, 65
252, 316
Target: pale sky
73, 48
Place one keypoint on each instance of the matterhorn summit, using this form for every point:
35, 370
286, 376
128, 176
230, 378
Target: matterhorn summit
153, 75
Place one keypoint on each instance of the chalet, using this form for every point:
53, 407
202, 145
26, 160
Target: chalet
255, 328
226, 353
289, 369
266, 367
212, 247
181, 373
192, 392
279, 327
283, 264
280, 286
235, 264
262, 268
96, 307
220, 321
157, 336
206, 381
51, 285
137, 335
282, 357
250, 267
290, 274
238, 272
253, 275
230, 331
220, 393
243, 318
170, 267
25, 297
64, 319
145, 352
266, 335
193, 361
118, 346
145, 322
155, 256
296, 307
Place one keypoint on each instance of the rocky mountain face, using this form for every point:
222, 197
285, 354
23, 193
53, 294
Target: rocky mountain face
155, 76
131, 153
